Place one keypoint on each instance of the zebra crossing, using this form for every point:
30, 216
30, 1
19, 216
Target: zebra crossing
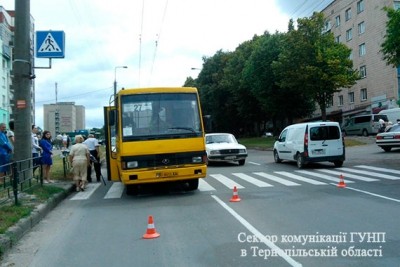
314, 177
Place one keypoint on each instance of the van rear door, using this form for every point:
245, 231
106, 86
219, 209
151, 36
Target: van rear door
325, 140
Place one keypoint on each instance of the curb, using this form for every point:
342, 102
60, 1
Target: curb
11, 237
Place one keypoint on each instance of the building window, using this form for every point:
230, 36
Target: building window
363, 94
351, 55
347, 14
337, 21
328, 26
396, 5
361, 50
361, 27
351, 97
340, 100
363, 71
360, 6
349, 34
337, 39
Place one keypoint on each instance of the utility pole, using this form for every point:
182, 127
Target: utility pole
22, 71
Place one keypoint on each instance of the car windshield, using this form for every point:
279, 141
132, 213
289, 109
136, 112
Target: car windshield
395, 128
221, 138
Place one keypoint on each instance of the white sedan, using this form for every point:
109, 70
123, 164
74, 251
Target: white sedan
389, 139
223, 147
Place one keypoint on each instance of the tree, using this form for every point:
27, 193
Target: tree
313, 63
391, 44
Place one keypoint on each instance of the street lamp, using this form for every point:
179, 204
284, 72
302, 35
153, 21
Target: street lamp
115, 78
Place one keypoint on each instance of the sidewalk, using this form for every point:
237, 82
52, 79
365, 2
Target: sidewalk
16, 232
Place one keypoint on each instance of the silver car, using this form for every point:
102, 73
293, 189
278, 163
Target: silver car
389, 139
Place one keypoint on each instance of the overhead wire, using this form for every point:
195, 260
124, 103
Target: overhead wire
158, 40
140, 42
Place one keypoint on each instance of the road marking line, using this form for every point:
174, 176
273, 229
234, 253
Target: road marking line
276, 179
254, 163
226, 181
252, 180
378, 169
323, 176
300, 178
204, 186
369, 193
258, 234
115, 191
89, 190
380, 175
349, 175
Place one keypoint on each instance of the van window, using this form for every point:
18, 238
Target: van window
383, 117
282, 138
321, 133
362, 119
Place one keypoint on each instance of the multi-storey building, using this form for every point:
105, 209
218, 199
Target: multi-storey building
361, 25
6, 37
7, 19
63, 117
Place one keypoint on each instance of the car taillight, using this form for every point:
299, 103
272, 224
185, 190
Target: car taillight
306, 139
379, 137
397, 136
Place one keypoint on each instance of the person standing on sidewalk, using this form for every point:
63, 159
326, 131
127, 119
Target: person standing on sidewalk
47, 160
36, 149
80, 160
5, 152
93, 145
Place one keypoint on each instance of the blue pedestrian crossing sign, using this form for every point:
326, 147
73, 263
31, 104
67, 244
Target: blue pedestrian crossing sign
50, 44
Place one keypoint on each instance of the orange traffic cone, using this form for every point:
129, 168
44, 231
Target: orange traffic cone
235, 197
341, 182
151, 230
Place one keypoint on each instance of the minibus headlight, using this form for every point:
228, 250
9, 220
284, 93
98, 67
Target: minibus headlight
197, 159
132, 164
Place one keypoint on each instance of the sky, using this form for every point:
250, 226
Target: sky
162, 42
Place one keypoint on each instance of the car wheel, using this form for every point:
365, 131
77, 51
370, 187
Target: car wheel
241, 162
387, 148
300, 161
338, 163
364, 132
276, 157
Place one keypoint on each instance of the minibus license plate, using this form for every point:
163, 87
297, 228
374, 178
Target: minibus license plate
167, 174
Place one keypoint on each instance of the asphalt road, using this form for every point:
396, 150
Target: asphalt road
285, 218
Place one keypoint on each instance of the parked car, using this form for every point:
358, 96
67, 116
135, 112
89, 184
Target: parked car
223, 147
389, 139
363, 124
310, 142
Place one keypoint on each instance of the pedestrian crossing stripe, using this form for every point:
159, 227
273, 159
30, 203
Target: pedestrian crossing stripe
264, 179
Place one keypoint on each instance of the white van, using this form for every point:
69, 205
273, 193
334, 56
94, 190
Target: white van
392, 114
310, 142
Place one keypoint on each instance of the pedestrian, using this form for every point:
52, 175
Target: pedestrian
36, 149
47, 154
390, 124
5, 151
80, 160
65, 141
382, 125
10, 134
93, 145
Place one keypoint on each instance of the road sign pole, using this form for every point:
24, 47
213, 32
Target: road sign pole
22, 70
